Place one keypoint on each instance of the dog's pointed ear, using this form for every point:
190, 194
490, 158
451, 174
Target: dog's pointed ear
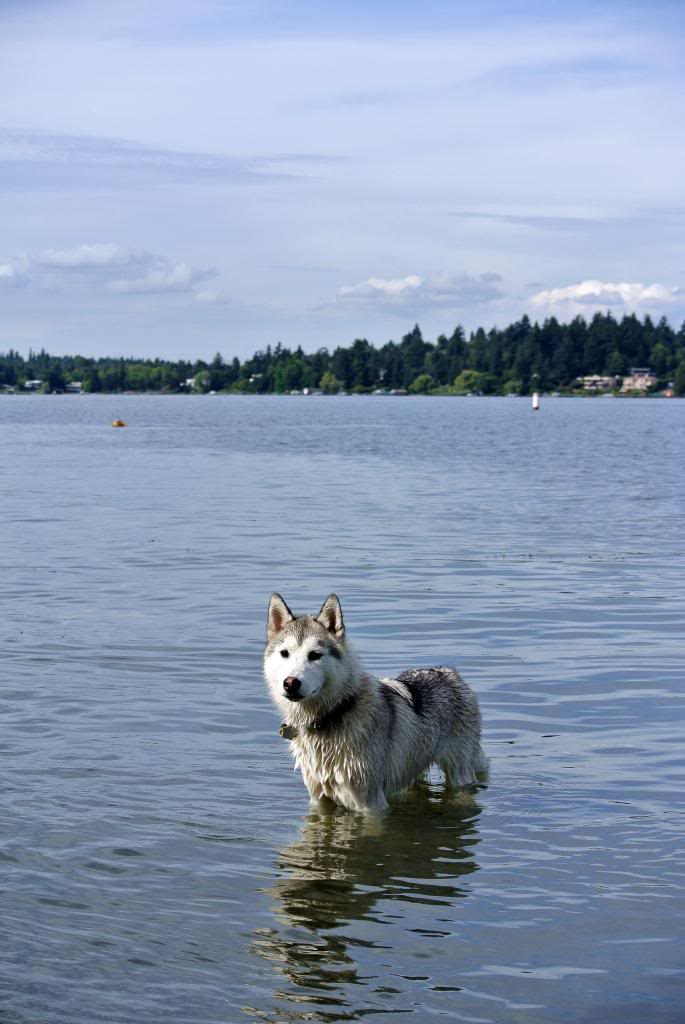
279, 614
331, 616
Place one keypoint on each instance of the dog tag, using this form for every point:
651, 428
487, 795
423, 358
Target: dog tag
288, 732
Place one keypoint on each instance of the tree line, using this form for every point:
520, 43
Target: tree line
523, 357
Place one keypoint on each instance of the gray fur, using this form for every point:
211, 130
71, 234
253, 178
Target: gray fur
391, 730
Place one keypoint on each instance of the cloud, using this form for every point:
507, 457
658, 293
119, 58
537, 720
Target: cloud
42, 161
602, 294
94, 263
85, 257
380, 287
180, 277
581, 71
13, 275
442, 289
206, 296
539, 221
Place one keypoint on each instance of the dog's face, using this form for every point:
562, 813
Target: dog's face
303, 653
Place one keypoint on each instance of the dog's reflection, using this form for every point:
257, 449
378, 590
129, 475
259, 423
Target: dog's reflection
345, 868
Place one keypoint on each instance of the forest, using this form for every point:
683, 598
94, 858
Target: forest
523, 357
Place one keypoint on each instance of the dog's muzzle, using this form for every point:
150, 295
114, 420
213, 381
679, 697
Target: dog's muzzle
291, 686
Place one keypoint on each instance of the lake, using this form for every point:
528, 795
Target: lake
158, 860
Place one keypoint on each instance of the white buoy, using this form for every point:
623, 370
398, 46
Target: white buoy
536, 401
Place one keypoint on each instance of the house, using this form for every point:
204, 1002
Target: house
595, 382
640, 379
33, 385
75, 387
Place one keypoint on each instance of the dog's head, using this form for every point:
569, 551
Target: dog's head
304, 653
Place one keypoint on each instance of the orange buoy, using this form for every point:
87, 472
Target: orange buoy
118, 423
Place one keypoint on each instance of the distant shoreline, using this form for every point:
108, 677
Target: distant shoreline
600, 356
358, 394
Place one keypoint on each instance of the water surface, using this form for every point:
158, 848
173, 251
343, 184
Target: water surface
158, 861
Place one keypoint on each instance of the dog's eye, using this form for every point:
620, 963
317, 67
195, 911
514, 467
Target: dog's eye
314, 656
285, 654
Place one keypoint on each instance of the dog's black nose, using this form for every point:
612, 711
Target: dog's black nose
291, 685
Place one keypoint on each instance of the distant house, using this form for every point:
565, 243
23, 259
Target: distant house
639, 379
33, 385
595, 382
75, 387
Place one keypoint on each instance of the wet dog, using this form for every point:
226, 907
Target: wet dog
358, 739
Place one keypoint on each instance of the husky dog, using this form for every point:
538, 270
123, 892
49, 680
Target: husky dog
358, 739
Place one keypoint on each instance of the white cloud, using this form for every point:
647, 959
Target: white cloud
34, 161
83, 257
56, 270
178, 278
381, 287
602, 294
13, 275
206, 296
442, 289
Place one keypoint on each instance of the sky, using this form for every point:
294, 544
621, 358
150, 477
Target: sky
180, 178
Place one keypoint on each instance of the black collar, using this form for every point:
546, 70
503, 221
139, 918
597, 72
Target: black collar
332, 717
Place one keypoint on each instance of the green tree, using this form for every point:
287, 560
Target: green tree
329, 383
55, 378
616, 364
513, 387
660, 359
172, 378
679, 380
422, 384
469, 381
202, 381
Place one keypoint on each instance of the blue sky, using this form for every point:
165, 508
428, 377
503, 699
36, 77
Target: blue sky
180, 179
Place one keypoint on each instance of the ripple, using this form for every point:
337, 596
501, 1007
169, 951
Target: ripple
158, 858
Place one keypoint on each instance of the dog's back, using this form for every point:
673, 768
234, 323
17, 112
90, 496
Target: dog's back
435, 719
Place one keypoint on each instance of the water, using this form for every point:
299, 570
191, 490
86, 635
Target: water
157, 858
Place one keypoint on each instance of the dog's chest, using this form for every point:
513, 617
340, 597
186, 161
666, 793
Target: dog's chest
327, 760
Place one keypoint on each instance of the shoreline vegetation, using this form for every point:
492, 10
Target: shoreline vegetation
600, 356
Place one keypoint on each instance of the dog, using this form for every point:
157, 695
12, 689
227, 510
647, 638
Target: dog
357, 739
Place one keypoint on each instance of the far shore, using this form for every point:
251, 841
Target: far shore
345, 394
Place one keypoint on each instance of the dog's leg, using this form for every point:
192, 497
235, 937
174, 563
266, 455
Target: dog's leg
317, 797
366, 803
317, 801
458, 769
376, 803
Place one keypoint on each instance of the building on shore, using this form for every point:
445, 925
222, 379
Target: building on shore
640, 379
595, 382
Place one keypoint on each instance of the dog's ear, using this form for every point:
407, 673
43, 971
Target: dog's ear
331, 616
279, 614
